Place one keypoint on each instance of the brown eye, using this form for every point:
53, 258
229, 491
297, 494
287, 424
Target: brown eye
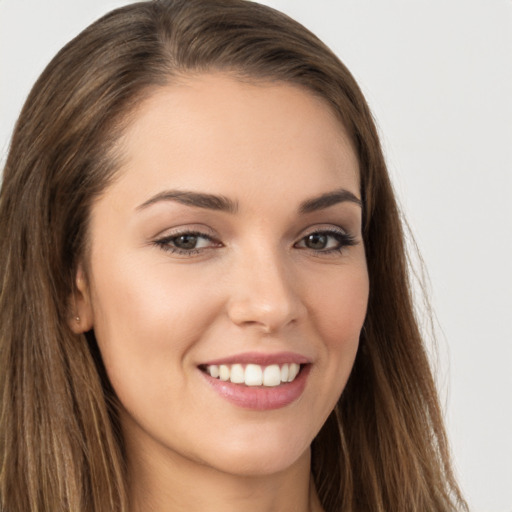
188, 241
326, 241
316, 241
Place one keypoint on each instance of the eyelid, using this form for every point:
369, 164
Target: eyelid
163, 240
198, 229
326, 228
323, 228
345, 238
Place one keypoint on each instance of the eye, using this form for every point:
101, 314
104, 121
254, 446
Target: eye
326, 241
187, 243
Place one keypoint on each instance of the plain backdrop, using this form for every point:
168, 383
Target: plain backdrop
438, 76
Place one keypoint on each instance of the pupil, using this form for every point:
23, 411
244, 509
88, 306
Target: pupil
186, 241
316, 241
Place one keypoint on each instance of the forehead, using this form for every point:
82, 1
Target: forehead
219, 132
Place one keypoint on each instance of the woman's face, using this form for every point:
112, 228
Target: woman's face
227, 255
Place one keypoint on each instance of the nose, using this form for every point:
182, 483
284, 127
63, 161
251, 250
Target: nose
264, 292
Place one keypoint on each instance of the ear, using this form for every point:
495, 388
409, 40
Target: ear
81, 314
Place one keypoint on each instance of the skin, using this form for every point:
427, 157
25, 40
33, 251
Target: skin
253, 283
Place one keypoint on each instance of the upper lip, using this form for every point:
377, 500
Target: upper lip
260, 359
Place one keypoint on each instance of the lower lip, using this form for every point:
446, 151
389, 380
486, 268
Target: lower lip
261, 398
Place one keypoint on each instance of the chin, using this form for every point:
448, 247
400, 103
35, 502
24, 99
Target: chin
261, 465
264, 455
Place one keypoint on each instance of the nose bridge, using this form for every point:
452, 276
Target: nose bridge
264, 293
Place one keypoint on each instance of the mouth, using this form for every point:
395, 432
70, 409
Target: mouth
260, 382
254, 375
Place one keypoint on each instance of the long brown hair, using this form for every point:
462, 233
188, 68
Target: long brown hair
382, 449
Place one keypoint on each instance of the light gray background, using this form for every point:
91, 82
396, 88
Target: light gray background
438, 76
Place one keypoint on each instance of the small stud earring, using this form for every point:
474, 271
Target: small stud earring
77, 318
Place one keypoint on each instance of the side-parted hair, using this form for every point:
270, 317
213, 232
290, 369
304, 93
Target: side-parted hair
382, 449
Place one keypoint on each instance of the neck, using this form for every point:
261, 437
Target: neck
171, 483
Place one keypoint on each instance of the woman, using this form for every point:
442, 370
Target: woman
205, 301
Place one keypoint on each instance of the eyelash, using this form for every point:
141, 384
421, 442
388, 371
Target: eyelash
342, 238
165, 243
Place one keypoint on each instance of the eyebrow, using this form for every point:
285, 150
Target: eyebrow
224, 204
197, 199
329, 199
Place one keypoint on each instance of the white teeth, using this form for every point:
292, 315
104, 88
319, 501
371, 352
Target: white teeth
237, 374
284, 373
254, 374
224, 372
272, 375
293, 371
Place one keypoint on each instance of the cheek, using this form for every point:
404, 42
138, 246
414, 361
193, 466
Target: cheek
340, 306
337, 302
339, 312
146, 320
134, 298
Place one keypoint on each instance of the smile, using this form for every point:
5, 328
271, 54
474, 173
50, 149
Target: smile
254, 374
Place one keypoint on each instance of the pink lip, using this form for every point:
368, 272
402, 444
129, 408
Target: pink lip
261, 359
260, 398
